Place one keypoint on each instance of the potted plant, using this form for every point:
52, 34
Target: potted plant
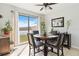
6, 30
43, 28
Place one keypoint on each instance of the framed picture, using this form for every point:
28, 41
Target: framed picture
57, 22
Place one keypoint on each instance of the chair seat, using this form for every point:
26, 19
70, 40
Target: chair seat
38, 43
52, 43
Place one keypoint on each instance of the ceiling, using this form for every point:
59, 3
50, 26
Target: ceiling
32, 7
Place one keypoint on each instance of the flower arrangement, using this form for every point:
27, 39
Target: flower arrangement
68, 25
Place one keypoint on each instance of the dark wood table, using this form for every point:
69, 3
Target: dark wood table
45, 38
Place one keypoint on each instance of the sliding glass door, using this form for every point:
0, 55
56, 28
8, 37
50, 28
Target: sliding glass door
23, 27
26, 22
33, 23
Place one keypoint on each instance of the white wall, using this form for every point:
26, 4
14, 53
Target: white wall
69, 12
5, 11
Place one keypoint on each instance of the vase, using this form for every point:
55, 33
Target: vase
7, 34
44, 34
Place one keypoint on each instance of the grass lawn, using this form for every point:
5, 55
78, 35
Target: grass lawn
23, 38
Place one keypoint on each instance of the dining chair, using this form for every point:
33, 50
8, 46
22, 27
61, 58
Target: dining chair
54, 33
35, 32
34, 44
58, 45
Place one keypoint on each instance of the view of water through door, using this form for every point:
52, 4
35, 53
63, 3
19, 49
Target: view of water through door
24, 23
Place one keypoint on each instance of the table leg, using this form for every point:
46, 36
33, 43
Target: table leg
45, 49
51, 49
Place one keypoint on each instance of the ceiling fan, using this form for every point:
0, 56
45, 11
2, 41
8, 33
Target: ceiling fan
45, 5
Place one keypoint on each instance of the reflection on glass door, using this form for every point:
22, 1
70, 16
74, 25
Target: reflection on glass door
23, 28
26, 22
33, 23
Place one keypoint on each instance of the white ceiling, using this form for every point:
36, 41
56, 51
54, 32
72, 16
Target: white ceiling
32, 7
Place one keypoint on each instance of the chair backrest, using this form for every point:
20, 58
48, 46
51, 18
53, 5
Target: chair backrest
54, 32
31, 39
35, 32
60, 40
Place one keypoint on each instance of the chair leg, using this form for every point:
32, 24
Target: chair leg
34, 51
57, 51
62, 51
47, 50
51, 49
38, 49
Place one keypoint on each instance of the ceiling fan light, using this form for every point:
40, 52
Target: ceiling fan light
41, 9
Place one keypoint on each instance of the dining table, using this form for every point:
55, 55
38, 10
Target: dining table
45, 38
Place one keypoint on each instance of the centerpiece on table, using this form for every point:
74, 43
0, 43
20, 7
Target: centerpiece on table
68, 23
43, 28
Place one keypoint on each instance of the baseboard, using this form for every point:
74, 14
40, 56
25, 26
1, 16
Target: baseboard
75, 47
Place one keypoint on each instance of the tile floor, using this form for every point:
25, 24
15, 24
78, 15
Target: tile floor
23, 50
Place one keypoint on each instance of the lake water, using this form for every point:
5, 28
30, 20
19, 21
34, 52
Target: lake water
23, 32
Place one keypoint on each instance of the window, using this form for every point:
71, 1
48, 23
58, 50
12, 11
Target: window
23, 26
23, 21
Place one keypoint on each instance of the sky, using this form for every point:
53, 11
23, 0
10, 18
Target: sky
23, 21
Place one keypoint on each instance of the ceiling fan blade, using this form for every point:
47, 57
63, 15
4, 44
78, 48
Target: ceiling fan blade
39, 5
41, 9
52, 3
50, 7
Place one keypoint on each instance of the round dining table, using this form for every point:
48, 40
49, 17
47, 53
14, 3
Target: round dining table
45, 38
